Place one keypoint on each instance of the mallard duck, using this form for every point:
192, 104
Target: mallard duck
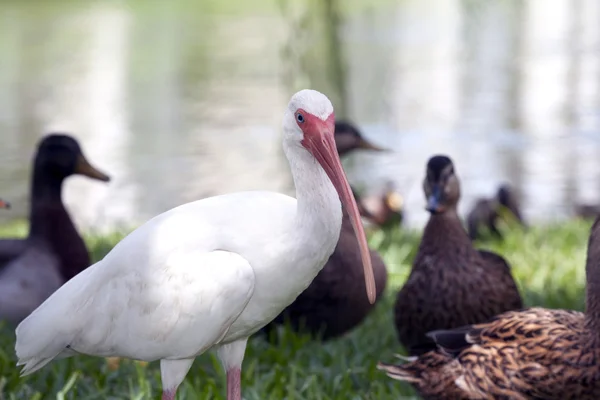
535, 353
335, 301
53, 252
486, 212
451, 284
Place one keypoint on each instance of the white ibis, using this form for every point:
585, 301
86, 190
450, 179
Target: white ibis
207, 274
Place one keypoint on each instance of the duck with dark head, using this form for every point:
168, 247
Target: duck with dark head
531, 354
486, 213
451, 284
53, 252
348, 138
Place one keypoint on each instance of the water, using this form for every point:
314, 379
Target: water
178, 101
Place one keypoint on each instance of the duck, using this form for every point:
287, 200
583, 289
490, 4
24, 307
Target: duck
348, 138
335, 302
535, 353
486, 212
53, 252
451, 284
385, 210
587, 211
12, 247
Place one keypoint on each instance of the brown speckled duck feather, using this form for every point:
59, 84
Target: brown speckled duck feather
451, 284
535, 353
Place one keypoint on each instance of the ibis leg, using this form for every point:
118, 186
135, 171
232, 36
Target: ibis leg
234, 384
169, 394
172, 373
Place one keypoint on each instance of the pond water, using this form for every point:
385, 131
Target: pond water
181, 100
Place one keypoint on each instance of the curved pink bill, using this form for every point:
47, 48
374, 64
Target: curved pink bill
319, 140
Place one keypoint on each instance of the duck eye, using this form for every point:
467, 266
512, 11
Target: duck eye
300, 118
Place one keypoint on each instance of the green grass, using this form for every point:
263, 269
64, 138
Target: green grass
548, 263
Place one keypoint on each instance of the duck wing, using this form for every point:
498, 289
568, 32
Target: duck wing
530, 354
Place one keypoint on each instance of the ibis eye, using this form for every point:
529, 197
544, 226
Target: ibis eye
300, 118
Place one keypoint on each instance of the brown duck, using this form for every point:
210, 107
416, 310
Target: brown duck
451, 284
587, 211
536, 353
486, 212
385, 210
335, 301
33, 268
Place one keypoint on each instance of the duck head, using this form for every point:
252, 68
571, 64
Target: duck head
441, 186
60, 156
348, 138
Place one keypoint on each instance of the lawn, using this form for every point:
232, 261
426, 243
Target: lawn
548, 263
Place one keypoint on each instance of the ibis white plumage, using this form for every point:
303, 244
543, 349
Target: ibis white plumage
207, 274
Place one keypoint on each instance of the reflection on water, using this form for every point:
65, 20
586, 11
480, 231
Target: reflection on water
178, 103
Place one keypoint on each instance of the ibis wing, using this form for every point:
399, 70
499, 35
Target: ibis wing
176, 310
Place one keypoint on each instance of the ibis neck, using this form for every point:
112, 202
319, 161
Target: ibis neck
319, 212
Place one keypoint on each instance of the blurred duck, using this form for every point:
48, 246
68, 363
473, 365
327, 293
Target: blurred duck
335, 302
587, 211
486, 212
535, 353
33, 268
348, 138
386, 209
451, 284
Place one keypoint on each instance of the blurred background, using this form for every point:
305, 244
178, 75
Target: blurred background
179, 100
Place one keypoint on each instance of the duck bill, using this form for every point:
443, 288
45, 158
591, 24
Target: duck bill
4, 204
366, 145
321, 144
83, 167
434, 202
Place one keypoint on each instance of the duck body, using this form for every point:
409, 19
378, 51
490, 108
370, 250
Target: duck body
587, 211
535, 353
487, 212
33, 268
335, 302
385, 210
11, 249
531, 354
451, 284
